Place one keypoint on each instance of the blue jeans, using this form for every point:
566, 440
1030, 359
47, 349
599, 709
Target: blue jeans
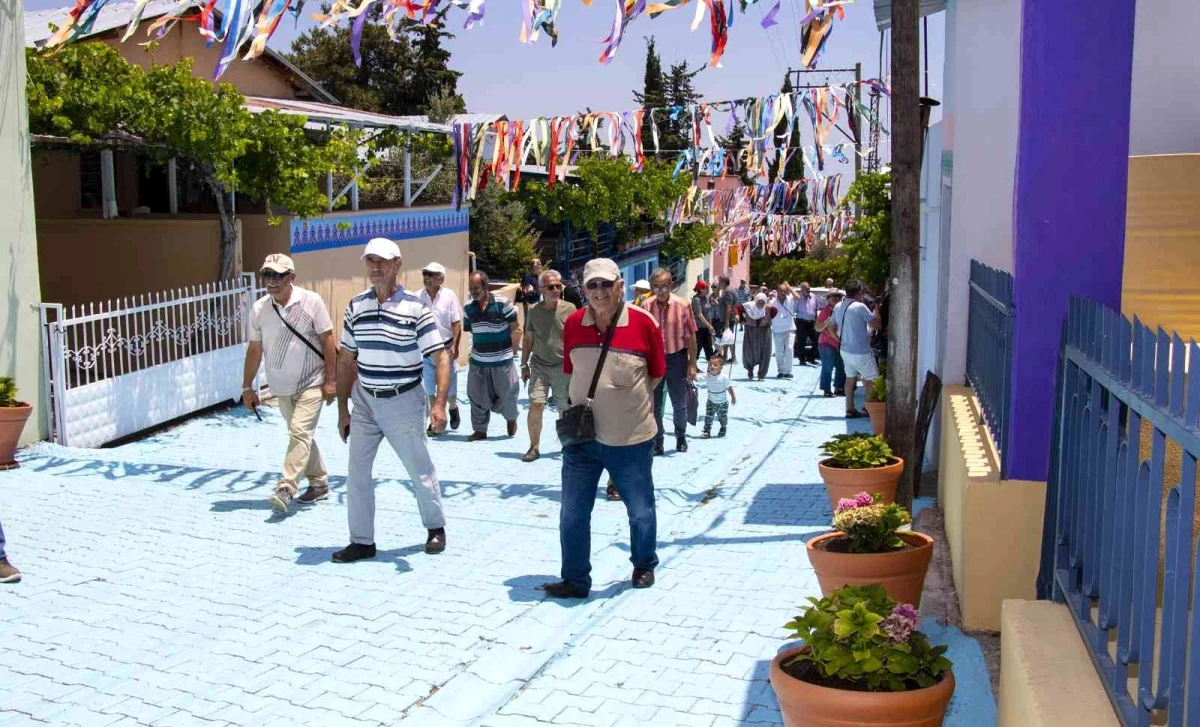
675, 382
831, 360
629, 468
2, 556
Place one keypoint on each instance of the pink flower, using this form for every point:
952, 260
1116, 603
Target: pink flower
901, 623
846, 503
862, 499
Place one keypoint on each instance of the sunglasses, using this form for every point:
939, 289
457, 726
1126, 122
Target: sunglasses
553, 286
597, 284
272, 275
427, 274
660, 288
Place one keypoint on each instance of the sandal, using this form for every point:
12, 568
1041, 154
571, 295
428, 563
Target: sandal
531, 455
611, 494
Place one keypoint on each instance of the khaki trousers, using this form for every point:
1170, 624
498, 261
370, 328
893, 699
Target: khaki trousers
301, 411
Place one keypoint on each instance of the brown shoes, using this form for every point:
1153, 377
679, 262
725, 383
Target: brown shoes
477, 436
531, 455
313, 494
512, 428
8, 572
436, 542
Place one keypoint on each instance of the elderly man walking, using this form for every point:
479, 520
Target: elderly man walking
291, 327
386, 334
620, 348
806, 307
448, 313
542, 356
783, 328
678, 328
492, 384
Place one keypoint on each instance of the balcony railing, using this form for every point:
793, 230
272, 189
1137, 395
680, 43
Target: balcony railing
989, 350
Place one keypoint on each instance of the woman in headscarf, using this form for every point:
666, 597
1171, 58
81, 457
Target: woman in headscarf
756, 344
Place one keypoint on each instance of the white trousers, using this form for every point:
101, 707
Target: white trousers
401, 419
783, 351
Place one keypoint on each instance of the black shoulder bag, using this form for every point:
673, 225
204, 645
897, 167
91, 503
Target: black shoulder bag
577, 425
297, 333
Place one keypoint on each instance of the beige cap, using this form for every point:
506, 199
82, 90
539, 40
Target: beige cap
434, 268
382, 247
278, 263
602, 268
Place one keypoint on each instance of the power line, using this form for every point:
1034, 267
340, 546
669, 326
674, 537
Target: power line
771, 41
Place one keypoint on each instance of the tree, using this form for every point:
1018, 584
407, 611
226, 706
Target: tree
734, 145
688, 242
398, 77
501, 237
681, 94
88, 93
793, 171
868, 243
654, 91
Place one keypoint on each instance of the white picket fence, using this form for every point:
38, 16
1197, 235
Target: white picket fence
119, 367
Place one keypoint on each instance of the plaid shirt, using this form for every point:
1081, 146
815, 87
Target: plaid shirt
675, 320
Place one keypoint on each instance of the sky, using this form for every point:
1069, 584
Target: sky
502, 75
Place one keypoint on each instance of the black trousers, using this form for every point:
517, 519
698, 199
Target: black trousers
806, 346
704, 342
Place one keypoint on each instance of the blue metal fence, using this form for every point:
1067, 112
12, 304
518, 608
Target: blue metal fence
989, 349
1123, 388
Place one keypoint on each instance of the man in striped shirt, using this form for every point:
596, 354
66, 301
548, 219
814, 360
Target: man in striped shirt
387, 333
678, 328
492, 384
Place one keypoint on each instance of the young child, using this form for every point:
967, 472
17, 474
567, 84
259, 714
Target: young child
720, 396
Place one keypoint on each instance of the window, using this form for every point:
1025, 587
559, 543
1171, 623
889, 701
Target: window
91, 186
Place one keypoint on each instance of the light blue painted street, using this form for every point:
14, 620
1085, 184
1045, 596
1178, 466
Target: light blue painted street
160, 589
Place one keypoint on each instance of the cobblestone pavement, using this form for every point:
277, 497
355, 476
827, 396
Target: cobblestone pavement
161, 589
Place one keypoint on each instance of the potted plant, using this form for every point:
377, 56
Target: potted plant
877, 404
859, 463
862, 663
867, 546
13, 414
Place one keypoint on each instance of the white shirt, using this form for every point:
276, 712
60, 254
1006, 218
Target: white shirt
390, 339
783, 322
446, 311
718, 387
291, 365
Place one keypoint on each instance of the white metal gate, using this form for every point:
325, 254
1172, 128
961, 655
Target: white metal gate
119, 367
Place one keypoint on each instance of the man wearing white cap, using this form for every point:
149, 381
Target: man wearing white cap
448, 314
387, 333
641, 292
291, 326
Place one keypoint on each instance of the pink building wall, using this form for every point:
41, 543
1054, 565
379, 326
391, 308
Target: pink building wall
718, 263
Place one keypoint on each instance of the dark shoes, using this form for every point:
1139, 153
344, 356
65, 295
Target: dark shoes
828, 394
313, 494
454, 419
642, 578
722, 432
8, 572
658, 448
856, 414
353, 552
563, 589
611, 493
512, 428
680, 444
531, 455
477, 436
436, 543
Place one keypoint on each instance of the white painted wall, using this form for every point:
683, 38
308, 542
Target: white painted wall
982, 78
20, 355
931, 328
1164, 114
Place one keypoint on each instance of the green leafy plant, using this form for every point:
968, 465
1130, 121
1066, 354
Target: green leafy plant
688, 241
859, 637
8, 392
868, 245
879, 388
869, 524
856, 451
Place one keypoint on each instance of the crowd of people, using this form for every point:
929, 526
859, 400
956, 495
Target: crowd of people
607, 367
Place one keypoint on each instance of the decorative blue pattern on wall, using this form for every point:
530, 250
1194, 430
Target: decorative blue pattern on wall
332, 231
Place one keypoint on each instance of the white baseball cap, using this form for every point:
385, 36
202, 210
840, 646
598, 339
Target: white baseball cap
642, 285
278, 263
434, 268
603, 269
382, 247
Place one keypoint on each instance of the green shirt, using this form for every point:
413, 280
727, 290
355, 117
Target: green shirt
546, 326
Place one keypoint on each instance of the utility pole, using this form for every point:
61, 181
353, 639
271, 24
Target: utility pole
906, 243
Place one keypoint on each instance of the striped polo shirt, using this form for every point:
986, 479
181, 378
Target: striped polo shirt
491, 335
391, 339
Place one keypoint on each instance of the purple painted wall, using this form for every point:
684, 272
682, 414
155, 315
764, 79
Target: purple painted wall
1069, 197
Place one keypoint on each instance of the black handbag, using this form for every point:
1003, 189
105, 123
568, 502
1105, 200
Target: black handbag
577, 425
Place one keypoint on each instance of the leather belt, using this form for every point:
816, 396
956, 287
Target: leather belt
391, 392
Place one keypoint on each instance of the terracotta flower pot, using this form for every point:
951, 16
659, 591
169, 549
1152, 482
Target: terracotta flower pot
809, 705
900, 572
841, 482
12, 421
878, 412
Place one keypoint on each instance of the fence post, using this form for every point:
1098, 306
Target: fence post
58, 364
